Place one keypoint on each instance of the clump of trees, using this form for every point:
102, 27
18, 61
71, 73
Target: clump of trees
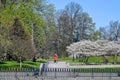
98, 48
23, 28
70, 18
21, 41
111, 32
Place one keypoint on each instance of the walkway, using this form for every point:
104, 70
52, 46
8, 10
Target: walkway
66, 65
94, 66
57, 65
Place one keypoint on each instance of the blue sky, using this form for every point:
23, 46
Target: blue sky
101, 11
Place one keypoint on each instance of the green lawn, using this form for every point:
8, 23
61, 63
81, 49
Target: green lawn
15, 64
91, 60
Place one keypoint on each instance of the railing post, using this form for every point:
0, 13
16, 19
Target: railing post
55, 73
92, 74
110, 74
118, 73
74, 73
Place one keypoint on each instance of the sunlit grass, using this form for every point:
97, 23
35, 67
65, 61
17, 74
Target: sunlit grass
14, 64
95, 60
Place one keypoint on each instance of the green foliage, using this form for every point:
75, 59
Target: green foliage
96, 35
21, 41
41, 60
24, 12
26, 15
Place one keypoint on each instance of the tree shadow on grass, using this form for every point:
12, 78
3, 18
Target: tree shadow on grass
2, 63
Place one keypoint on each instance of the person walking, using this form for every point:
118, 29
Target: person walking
55, 57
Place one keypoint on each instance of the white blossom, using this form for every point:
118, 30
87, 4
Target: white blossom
97, 48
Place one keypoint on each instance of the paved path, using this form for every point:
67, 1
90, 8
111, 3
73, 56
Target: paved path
57, 65
94, 66
66, 65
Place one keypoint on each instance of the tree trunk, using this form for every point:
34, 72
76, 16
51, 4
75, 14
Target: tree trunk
20, 63
86, 60
105, 59
114, 59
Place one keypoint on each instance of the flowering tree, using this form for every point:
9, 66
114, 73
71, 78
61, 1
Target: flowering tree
98, 48
108, 48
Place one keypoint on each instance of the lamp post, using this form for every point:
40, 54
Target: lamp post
75, 38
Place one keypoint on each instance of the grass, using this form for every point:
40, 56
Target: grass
98, 59
92, 60
28, 64
15, 66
